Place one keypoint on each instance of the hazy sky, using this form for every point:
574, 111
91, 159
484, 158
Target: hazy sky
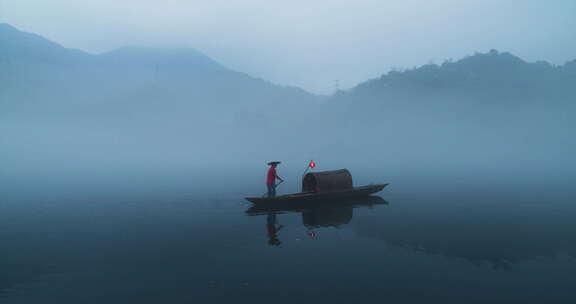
310, 43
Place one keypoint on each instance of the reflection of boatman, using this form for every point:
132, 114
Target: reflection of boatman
272, 228
271, 178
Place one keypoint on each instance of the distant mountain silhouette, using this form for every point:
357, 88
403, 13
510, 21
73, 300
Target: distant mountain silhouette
177, 102
31, 48
39, 75
181, 57
481, 79
44, 76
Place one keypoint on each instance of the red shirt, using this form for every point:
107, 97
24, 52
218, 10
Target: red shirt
271, 178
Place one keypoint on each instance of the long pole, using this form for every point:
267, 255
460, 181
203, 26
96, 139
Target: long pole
274, 186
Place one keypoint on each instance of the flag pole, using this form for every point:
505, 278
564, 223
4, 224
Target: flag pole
308, 167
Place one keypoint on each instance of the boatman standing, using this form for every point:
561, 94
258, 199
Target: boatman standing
271, 178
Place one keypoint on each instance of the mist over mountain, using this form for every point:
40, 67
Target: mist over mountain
144, 106
484, 79
34, 69
137, 137
40, 76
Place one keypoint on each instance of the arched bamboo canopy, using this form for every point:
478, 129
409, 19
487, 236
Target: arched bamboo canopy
327, 181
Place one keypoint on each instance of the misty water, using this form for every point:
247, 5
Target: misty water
188, 237
123, 177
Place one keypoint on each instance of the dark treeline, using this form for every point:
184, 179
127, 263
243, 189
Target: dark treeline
481, 80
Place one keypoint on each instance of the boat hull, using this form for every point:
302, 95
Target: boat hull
319, 196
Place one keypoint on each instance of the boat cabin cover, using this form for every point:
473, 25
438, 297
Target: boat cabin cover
327, 181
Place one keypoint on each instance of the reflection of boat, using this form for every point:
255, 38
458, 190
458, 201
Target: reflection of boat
327, 216
322, 186
321, 214
303, 206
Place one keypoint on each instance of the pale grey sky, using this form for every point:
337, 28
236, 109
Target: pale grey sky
309, 43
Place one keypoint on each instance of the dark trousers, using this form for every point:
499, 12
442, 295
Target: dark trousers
271, 190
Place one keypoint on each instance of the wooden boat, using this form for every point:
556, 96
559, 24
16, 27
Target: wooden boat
328, 195
319, 186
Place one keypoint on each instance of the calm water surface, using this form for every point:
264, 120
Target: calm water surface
446, 241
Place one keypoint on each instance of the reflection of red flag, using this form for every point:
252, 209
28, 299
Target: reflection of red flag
312, 164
